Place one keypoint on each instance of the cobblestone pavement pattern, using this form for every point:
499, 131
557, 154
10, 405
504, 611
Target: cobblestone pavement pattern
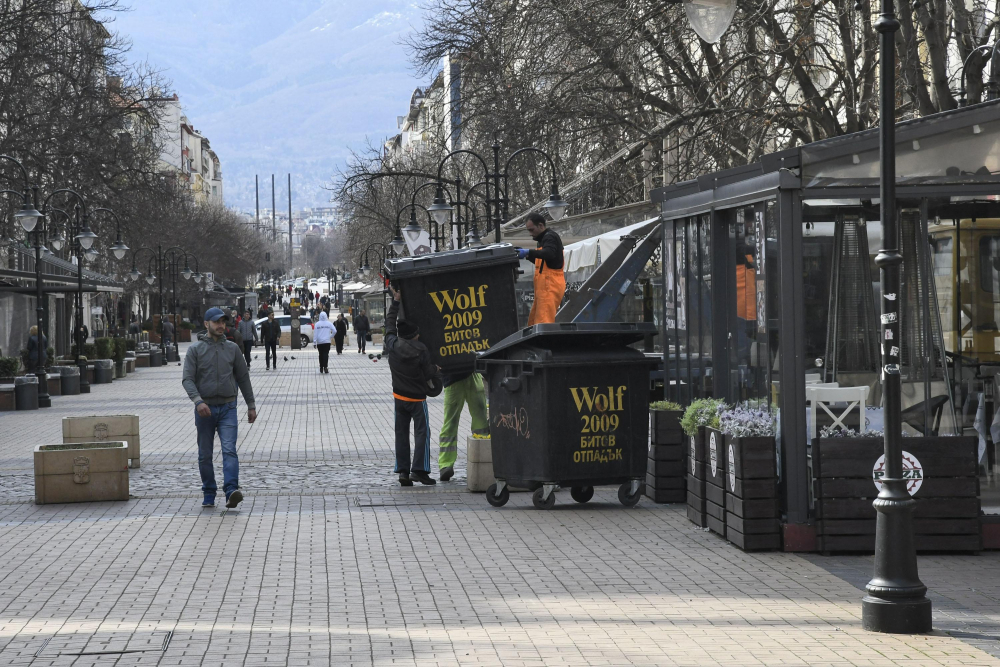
327, 562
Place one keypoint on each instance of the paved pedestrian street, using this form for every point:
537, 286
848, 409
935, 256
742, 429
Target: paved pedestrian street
329, 562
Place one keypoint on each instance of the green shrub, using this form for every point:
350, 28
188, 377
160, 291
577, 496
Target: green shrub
702, 412
119, 347
50, 354
130, 345
9, 366
104, 348
665, 405
89, 351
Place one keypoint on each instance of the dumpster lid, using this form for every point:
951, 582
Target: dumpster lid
451, 260
574, 334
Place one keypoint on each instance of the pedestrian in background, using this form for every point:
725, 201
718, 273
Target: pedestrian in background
362, 329
414, 378
167, 331
36, 351
213, 369
248, 331
323, 331
270, 333
341, 326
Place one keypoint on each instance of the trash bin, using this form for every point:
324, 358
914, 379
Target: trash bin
569, 406
172, 354
104, 371
155, 357
462, 300
70, 380
26, 392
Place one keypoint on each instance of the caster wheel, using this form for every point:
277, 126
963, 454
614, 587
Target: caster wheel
536, 500
625, 499
497, 500
303, 341
582, 494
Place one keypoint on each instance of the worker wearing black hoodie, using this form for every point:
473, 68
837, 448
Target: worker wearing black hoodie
414, 378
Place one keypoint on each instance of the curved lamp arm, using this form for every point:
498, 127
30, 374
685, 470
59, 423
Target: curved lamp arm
28, 216
555, 205
962, 97
119, 247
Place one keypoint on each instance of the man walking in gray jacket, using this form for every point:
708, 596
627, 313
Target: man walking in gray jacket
213, 368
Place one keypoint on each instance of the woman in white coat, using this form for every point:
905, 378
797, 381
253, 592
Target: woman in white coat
322, 335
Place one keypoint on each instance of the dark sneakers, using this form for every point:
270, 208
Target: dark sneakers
404, 479
233, 499
422, 477
209, 501
447, 473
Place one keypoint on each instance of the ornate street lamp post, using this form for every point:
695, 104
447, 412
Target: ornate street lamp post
159, 260
28, 218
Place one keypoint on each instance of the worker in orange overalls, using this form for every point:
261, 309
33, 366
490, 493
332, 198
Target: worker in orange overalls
550, 281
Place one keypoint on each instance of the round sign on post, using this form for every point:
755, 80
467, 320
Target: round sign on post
713, 454
732, 470
913, 472
694, 451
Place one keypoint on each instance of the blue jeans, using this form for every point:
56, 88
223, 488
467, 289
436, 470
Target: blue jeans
224, 420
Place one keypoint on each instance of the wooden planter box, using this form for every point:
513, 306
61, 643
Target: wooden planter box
81, 472
752, 511
695, 470
944, 482
130, 365
665, 427
142, 360
6, 398
54, 384
666, 467
184, 335
102, 428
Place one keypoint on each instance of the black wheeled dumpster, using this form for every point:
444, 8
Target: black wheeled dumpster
462, 300
569, 406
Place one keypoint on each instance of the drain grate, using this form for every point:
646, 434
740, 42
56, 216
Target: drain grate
104, 644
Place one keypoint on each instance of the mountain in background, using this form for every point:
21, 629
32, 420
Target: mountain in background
281, 87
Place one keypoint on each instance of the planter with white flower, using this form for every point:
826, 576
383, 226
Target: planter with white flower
751, 476
698, 417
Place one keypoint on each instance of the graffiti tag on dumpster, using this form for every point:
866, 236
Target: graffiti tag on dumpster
462, 313
516, 421
599, 423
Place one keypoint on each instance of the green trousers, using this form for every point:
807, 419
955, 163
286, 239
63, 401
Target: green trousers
470, 390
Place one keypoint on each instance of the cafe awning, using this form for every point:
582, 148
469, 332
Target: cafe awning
590, 252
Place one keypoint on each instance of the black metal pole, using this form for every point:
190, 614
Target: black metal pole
159, 269
274, 224
290, 254
896, 600
497, 213
256, 194
81, 341
44, 400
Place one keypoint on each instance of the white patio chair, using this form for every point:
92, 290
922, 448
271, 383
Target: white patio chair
825, 397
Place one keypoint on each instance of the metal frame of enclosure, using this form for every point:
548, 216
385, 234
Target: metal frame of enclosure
740, 316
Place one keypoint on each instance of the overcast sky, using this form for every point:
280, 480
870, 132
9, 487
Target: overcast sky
280, 86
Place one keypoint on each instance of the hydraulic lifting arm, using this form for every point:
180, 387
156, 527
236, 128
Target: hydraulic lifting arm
602, 293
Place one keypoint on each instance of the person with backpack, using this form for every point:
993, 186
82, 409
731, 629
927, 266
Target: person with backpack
414, 378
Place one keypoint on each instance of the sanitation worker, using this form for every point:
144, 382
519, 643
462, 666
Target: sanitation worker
550, 282
460, 390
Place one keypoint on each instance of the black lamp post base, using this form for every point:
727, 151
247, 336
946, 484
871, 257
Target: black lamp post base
44, 402
84, 388
896, 616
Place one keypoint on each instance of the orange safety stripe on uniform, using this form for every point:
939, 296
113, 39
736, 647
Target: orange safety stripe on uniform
408, 399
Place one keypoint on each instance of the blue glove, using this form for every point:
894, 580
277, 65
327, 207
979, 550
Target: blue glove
522, 253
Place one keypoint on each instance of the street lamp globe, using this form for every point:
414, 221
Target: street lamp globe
196, 277
413, 227
119, 248
555, 206
710, 18
44, 250
134, 274
91, 254
398, 244
472, 238
440, 208
150, 279
57, 241
28, 217
187, 273
86, 238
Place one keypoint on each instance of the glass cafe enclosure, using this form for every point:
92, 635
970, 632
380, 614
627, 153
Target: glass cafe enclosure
770, 283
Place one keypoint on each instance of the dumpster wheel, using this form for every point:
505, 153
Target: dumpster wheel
582, 494
540, 501
497, 499
625, 495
